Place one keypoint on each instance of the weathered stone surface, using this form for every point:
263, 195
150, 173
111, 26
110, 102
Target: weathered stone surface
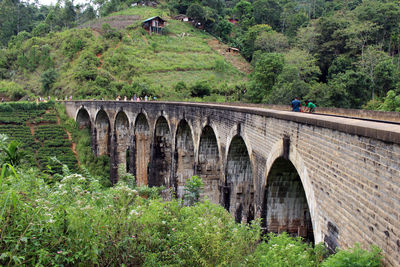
347, 171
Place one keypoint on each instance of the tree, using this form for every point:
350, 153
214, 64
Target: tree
242, 9
358, 35
267, 12
271, 42
356, 84
250, 38
307, 38
298, 75
267, 69
196, 12
47, 79
386, 15
386, 77
373, 55
68, 14
391, 103
223, 28
200, 89
304, 63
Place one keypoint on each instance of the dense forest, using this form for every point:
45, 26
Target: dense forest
336, 53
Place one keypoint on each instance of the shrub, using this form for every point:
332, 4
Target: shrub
110, 33
200, 89
47, 79
284, 250
356, 257
41, 29
192, 189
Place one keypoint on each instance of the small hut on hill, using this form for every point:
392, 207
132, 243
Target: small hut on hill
183, 17
153, 25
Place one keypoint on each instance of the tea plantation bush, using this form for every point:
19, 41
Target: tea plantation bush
49, 139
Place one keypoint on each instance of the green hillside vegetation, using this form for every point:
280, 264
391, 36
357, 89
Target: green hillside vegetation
36, 128
44, 132
85, 63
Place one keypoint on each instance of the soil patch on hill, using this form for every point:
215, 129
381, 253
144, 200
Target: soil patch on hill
232, 57
118, 22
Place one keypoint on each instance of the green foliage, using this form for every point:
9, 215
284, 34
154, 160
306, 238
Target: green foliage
268, 67
41, 29
47, 79
76, 221
14, 154
200, 89
196, 12
391, 103
250, 39
110, 33
193, 187
11, 90
284, 250
98, 167
356, 257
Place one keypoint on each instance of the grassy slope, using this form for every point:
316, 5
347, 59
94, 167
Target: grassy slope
157, 61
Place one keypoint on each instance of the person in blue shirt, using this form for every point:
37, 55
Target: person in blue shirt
296, 104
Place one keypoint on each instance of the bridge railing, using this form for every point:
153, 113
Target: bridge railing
352, 113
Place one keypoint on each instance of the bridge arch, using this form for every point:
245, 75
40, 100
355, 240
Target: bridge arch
141, 148
122, 138
161, 154
102, 133
83, 118
301, 212
209, 161
238, 195
183, 156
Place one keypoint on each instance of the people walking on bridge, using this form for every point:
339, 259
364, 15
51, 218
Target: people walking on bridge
310, 107
296, 105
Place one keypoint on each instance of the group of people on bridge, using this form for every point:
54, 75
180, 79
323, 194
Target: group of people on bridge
135, 98
308, 107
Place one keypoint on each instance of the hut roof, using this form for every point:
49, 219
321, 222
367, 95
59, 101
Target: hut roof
150, 19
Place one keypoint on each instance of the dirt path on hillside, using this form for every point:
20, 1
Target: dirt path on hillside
73, 144
234, 58
73, 148
101, 60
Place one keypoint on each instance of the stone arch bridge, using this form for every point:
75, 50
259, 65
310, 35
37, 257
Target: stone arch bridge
328, 179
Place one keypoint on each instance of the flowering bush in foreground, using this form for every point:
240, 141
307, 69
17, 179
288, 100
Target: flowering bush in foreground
77, 221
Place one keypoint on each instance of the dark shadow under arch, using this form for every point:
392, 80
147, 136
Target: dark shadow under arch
122, 140
183, 157
141, 150
102, 132
83, 119
160, 161
285, 207
238, 190
208, 167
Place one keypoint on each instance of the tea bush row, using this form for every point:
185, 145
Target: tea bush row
49, 132
20, 117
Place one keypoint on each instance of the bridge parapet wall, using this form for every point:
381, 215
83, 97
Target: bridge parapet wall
349, 169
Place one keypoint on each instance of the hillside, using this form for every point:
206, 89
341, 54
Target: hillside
121, 58
38, 129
